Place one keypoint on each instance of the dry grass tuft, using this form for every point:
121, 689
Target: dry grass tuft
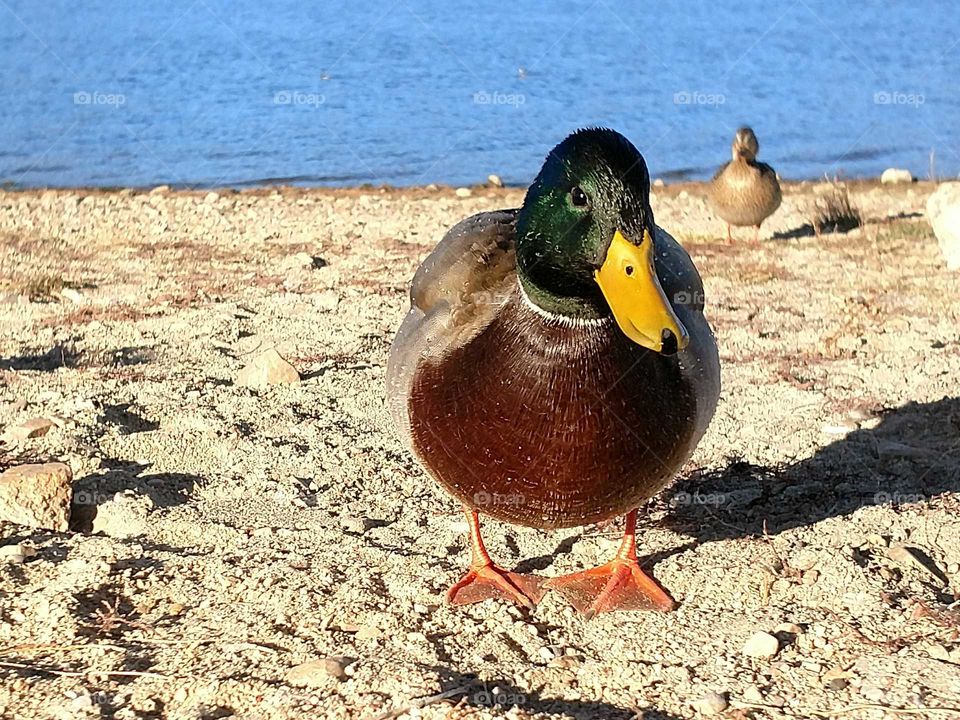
833, 211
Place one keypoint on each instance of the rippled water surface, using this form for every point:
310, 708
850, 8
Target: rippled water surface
211, 92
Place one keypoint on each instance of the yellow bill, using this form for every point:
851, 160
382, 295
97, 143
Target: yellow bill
630, 285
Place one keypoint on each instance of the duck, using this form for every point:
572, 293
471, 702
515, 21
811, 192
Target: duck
555, 369
745, 191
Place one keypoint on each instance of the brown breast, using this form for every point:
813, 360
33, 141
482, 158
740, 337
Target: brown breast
542, 423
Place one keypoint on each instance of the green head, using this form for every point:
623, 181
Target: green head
585, 238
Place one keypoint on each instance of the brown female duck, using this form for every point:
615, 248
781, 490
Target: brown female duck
745, 192
555, 368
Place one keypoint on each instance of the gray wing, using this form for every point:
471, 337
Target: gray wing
700, 361
456, 292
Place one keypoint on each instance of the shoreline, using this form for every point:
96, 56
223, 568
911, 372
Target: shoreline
291, 519
436, 188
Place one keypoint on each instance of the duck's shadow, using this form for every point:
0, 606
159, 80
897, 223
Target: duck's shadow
911, 456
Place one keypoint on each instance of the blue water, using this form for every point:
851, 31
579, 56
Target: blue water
237, 92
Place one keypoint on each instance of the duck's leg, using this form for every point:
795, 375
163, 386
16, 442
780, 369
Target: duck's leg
485, 580
729, 235
618, 585
756, 234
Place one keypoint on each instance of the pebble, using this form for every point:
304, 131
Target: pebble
872, 692
896, 175
910, 557
494, 181
16, 554
160, 189
463, 192
368, 632
74, 296
712, 703
210, 198
298, 261
659, 183
788, 628
37, 496
268, 368
752, 694
546, 654
124, 516
761, 645
327, 301
317, 673
33, 428
841, 429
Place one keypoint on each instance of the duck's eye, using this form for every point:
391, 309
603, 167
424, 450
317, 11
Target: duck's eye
578, 197
628, 269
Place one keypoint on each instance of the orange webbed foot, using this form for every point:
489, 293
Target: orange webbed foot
486, 580
618, 585
489, 581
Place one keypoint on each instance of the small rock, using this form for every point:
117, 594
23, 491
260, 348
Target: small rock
124, 516
463, 192
911, 557
788, 629
761, 645
35, 427
810, 577
943, 212
268, 368
712, 703
546, 654
210, 198
659, 183
317, 673
298, 261
368, 632
841, 429
16, 554
327, 301
838, 684
565, 661
72, 295
752, 694
494, 181
160, 189
37, 496
896, 175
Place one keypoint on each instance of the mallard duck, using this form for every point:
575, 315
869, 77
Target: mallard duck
744, 191
555, 368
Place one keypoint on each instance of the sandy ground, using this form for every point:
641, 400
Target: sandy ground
274, 527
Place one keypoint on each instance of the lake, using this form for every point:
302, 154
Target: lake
210, 92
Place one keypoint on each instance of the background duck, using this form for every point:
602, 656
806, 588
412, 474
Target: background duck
744, 191
555, 368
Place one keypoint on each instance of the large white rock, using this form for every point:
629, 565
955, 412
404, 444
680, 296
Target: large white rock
37, 496
943, 212
896, 175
